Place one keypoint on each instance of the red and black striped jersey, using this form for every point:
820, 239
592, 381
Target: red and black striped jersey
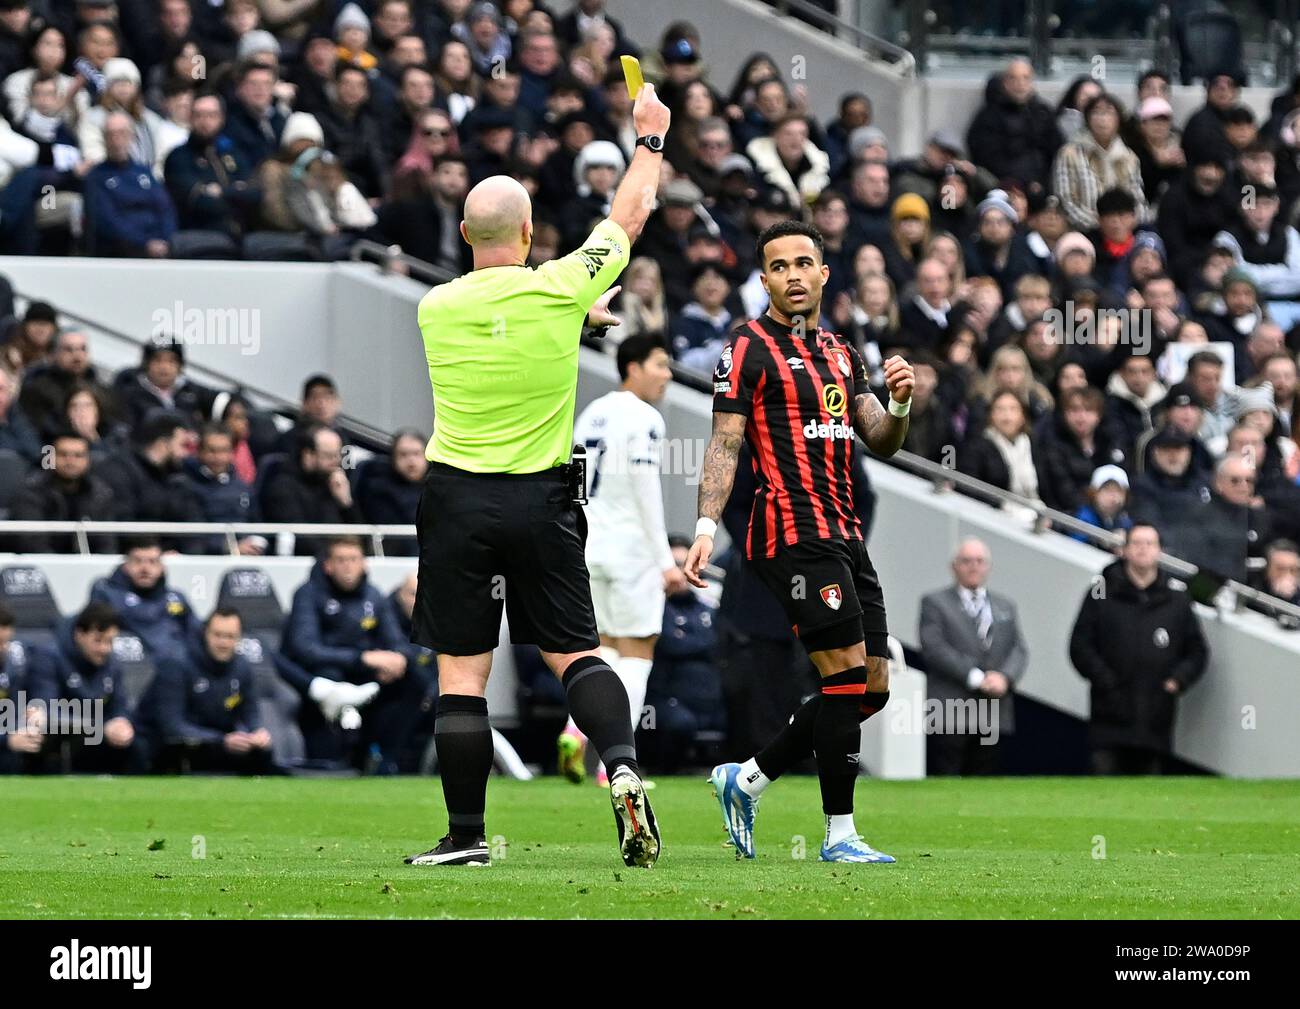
798, 393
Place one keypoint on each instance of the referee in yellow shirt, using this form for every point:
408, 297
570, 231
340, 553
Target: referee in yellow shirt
498, 520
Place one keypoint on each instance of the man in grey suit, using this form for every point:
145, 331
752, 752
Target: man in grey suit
974, 651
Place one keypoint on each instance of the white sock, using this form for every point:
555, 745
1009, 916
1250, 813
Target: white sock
327, 694
839, 828
361, 694
349, 718
751, 780
635, 674
610, 655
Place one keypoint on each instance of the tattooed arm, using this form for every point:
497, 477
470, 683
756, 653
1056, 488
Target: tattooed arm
880, 430
715, 485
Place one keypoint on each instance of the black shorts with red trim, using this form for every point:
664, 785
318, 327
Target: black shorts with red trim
830, 592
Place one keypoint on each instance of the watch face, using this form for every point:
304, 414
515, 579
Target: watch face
654, 142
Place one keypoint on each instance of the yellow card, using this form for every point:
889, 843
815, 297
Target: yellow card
632, 73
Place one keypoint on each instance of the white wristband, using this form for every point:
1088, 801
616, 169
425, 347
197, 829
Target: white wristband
705, 527
900, 409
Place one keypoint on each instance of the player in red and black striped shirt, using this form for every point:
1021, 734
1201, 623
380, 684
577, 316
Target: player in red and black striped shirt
798, 394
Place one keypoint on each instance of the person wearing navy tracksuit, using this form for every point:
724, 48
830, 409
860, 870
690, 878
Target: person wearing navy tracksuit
161, 617
79, 668
341, 628
15, 688
128, 211
685, 689
202, 708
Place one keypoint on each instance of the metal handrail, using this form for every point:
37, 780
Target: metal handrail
352, 425
1046, 517
871, 45
83, 530
433, 275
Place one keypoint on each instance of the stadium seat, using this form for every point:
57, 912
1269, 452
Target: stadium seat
281, 247
278, 703
138, 669
200, 244
25, 591
250, 592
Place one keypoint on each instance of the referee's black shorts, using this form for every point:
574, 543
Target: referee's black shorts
494, 539
830, 593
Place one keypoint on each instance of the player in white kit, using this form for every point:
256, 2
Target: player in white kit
628, 555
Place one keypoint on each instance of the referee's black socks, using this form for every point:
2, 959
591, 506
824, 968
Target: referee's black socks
464, 741
598, 704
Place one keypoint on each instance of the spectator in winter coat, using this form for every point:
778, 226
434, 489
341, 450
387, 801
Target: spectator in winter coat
146, 478
46, 387
160, 385
17, 434
73, 677
1014, 134
1170, 490
701, 328
1095, 160
68, 492
996, 250
389, 490
209, 184
160, 616
128, 212
790, 161
1140, 646
1106, 501
1193, 210
1131, 393
222, 495
1267, 249
1206, 132
254, 120
202, 706
684, 690
1076, 446
342, 629
311, 487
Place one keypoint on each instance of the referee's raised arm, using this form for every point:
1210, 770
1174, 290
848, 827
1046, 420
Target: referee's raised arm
635, 196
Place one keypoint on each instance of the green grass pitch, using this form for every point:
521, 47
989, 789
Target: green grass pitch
125, 848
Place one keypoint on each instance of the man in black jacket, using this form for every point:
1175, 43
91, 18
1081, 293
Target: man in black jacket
1206, 131
222, 496
46, 386
1193, 210
313, 487
353, 133
341, 628
67, 493
210, 184
202, 707
1139, 644
1072, 448
161, 384
389, 489
146, 480
1014, 135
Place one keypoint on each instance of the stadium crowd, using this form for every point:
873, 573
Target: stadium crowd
1102, 306
1079, 286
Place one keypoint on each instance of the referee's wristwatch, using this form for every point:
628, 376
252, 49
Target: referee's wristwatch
652, 142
